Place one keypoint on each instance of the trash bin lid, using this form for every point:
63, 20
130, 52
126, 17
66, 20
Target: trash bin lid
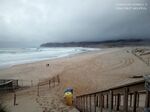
69, 89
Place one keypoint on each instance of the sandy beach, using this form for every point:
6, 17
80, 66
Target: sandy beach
85, 73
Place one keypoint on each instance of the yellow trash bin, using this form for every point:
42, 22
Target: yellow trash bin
69, 98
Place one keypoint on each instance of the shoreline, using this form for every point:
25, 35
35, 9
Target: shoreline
33, 70
48, 59
92, 62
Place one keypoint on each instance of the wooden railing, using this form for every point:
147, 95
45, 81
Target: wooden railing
126, 98
8, 84
52, 82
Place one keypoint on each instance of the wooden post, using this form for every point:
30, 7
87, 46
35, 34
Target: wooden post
22, 83
54, 81
14, 99
147, 102
80, 103
49, 83
90, 104
31, 83
101, 102
17, 84
86, 103
130, 100
138, 96
135, 103
110, 100
58, 79
76, 103
118, 102
38, 90
85, 109
107, 101
125, 99
115, 100
95, 102
83, 104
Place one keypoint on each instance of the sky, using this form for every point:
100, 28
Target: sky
29, 23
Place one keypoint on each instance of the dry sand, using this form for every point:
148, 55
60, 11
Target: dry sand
87, 72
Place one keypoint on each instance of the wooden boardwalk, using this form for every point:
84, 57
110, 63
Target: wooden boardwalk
131, 97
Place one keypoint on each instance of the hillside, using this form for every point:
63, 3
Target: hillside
108, 43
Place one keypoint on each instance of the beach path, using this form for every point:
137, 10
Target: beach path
28, 101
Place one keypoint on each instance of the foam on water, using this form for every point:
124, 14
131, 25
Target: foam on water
9, 57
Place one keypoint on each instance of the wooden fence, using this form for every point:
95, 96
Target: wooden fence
52, 82
126, 98
8, 84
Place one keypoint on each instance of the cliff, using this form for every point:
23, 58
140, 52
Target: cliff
108, 43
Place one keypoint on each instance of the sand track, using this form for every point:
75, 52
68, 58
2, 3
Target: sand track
117, 64
123, 63
51, 104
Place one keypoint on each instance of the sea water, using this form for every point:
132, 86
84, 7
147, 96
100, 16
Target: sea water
13, 56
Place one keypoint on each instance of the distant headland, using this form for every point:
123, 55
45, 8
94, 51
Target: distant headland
107, 43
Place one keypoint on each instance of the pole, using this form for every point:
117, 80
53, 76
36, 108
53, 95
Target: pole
31, 83
38, 90
14, 99
58, 79
54, 81
49, 83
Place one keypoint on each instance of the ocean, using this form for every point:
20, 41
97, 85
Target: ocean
14, 56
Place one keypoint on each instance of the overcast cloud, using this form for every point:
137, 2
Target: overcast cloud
32, 22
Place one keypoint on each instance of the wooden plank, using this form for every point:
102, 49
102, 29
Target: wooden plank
110, 101
87, 103
84, 103
125, 99
38, 90
95, 103
90, 103
130, 100
49, 83
14, 99
80, 103
147, 101
58, 79
138, 96
135, 101
118, 102
101, 102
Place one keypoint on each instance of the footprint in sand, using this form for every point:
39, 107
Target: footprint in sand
51, 104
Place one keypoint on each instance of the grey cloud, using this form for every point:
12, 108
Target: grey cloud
32, 22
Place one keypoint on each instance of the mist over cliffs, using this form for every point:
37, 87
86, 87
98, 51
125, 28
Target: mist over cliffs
108, 43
